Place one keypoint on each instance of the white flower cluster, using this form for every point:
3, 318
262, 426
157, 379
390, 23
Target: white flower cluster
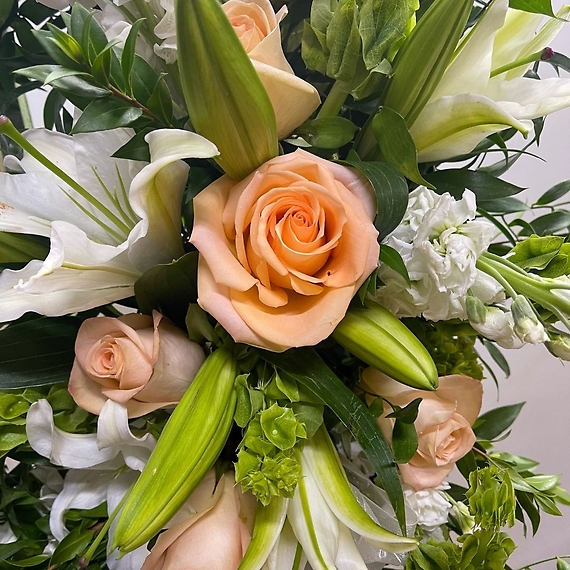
439, 240
430, 506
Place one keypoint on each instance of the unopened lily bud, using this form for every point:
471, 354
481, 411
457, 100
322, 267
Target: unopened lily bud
187, 449
381, 340
226, 100
559, 345
527, 325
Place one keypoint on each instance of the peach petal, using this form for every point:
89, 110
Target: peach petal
466, 392
84, 391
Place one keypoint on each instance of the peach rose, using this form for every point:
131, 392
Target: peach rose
215, 537
142, 362
283, 252
443, 424
257, 26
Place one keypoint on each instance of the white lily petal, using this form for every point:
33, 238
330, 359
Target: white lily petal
6, 534
156, 195
82, 489
131, 561
452, 126
348, 556
541, 40
471, 66
314, 524
519, 29
113, 432
74, 451
320, 459
283, 553
526, 98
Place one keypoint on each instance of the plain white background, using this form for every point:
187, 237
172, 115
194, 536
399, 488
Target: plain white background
542, 430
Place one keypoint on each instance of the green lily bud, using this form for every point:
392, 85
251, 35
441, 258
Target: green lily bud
187, 449
476, 310
425, 55
381, 340
225, 98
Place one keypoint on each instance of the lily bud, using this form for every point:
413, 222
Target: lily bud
381, 340
187, 449
476, 310
425, 55
527, 325
225, 98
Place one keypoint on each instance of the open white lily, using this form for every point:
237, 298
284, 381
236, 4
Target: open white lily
108, 219
483, 91
102, 466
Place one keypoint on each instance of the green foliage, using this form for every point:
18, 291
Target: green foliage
494, 422
348, 41
404, 435
548, 256
325, 132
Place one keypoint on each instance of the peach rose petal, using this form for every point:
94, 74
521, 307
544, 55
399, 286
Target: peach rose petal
466, 392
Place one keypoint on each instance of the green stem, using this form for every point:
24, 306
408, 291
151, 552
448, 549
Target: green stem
8, 129
334, 101
536, 56
25, 112
542, 561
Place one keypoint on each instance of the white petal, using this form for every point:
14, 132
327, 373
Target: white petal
113, 432
6, 534
526, 98
75, 451
470, 69
82, 489
452, 126
283, 553
156, 195
348, 556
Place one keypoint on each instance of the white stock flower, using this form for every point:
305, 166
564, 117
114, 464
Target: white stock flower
439, 240
96, 464
469, 104
124, 220
498, 326
430, 506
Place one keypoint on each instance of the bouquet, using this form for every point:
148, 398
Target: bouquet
254, 270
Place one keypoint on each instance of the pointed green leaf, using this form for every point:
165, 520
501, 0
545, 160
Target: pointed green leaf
494, 422
19, 248
554, 193
128, 55
327, 132
404, 441
72, 546
393, 260
397, 145
105, 114
534, 6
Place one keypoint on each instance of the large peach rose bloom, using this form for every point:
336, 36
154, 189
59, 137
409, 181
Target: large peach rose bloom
215, 537
283, 252
443, 424
257, 26
140, 361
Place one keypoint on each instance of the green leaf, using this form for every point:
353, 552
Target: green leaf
343, 40
160, 101
128, 55
494, 422
397, 145
306, 367
527, 505
8, 550
497, 356
21, 248
105, 114
507, 205
72, 546
562, 564
101, 67
37, 352
536, 252
67, 44
30, 562
408, 414
393, 260
552, 223
404, 441
391, 193
6, 8
327, 132
485, 186
169, 288
534, 6
554, 193
136, 149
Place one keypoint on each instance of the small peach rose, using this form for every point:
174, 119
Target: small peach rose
257, 26
443, 424
140, 361
215, 537
283, 252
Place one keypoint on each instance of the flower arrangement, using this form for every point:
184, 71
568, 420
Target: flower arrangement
249, 271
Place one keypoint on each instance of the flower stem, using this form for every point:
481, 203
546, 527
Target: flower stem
542, 55
334, 101
543, 561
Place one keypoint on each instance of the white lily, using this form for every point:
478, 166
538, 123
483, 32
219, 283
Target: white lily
323, 514
479, 94
109, 220
96, 464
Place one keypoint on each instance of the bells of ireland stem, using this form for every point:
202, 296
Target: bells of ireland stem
425, 55
187, 449
226, 100
380, 339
